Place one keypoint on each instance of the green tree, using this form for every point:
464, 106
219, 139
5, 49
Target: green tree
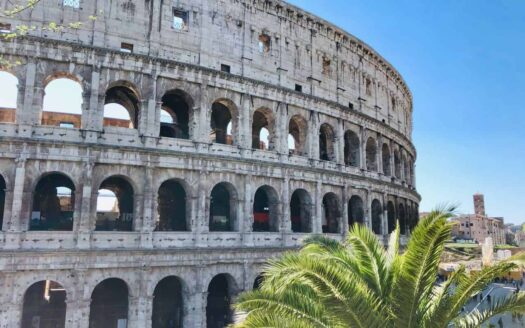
360, 284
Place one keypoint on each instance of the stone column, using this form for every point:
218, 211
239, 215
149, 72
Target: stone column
77, 313
340, 143
14, 221
368, 209
317, 218
286, 222
363, 149
380, 154
244, 130
99, 25
344, 219
148, 221
384, 218
25, 113
87, 214
93, 109
248, 204
313, 135
281, 129
8, 204
202, 131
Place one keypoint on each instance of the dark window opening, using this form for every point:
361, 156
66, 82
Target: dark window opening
2, 200
371, 155
386, 160
261, 138
352, 149
171, 207
5, 28
258, 282
222, 208
221, 124
225, 68
168, 310
298, 88
180, 20
402, 220
397, 165
265, 42
53, 204
218, 309
265, 210
356, 212
391, 217
44, 305
327, 69
175, 115
331, 214
301, 211
115, 205
126, 47
351, 106
109, 304
326, 143
377, 216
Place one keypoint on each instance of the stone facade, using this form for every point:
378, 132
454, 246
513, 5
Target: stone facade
254, 64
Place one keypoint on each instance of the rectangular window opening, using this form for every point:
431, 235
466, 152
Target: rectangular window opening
351, 106
68, 125
126, 47
71, 3
225, 68
180, 20
298, 88
5, 28
265, 42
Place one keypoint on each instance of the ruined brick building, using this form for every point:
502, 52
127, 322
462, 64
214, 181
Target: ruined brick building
249, 125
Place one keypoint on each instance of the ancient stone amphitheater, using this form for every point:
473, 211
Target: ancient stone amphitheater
209, 135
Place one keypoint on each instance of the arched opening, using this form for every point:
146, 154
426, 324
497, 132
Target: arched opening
8, 97
397, 164
62, 104
175, 115
331, 213
266, 210
53, 203
326, 143
262, 128
386, 160
377, 216
352, 149
44, 305
109, 304
402, 219
218, 308
298, 130
221, 119
371, 155
115, 205
168, 309
2, 200
356, 211
301, 211
121, 106
391, 216
258, 282
222, 207
171, 207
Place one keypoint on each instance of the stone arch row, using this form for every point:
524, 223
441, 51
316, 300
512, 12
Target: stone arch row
110, 304
53, 207
124, 106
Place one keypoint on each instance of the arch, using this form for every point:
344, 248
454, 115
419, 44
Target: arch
172, 209
397, 164
44, 305
391, 216
223, 203
266, 209
2, 200
298, 130
8, 97
122, 105
326, 142
331, 213
402, 219
53, 203
377, 216
176, 114
109, 304
356, 211
301, 211
385, 153
168, 305
262, 129
115, 205
352, 149
258, 282
62, 104
222, 116
218, 307
371, 154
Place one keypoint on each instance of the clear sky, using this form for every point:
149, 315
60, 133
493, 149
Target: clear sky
464, 63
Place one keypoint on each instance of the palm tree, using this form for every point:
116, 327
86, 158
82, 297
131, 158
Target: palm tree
360, 284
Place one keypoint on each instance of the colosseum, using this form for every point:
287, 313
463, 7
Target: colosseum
208, 136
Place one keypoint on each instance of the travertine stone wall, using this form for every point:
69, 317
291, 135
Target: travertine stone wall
345, 84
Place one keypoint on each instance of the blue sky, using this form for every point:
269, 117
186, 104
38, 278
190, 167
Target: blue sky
463, 61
